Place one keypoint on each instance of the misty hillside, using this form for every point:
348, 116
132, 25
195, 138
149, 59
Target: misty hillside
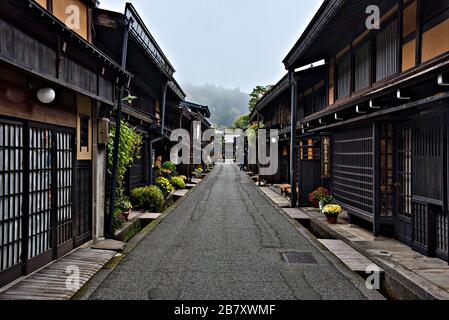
225, 105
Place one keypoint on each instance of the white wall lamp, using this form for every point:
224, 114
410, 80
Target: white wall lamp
46, 95
129, 98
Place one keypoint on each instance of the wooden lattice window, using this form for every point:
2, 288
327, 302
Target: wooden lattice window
353, 177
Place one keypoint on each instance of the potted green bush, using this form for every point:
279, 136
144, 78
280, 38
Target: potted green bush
178, 182
147, 198
124, 205
165, 185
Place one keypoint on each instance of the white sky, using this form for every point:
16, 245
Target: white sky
228, 43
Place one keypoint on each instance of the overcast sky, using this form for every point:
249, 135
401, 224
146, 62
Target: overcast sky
228, 43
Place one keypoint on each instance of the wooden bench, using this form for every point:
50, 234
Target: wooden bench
288, 191
284, 188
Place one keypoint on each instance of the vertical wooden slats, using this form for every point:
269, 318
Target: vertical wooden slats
64, 186
431, 7
353, 172
362, 66
386, 170
83, 203
343, 68
11, 193
404, 182
40, 193
387, 51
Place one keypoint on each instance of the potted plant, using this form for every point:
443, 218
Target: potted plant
323, 200
127, 208
147, 198
316, 194
332, 211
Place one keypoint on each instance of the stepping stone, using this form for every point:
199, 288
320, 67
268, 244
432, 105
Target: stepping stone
296, 214
149, 216
109, 244
180, 193
353, 259
190, 185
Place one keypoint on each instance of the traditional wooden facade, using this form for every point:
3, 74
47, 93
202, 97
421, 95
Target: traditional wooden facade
48, 150
381, 127
153, 84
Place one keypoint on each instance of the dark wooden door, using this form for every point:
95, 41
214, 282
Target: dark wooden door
83, 203
403, 197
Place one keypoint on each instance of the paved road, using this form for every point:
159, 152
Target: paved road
224, 242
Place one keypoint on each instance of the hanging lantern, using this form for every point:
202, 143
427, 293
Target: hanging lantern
46, 95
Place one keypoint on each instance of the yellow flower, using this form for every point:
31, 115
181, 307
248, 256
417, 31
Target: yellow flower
332, 209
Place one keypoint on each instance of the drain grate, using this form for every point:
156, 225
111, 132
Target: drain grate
299, 258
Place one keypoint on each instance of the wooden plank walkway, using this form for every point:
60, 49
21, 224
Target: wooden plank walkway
353, 259
49, 283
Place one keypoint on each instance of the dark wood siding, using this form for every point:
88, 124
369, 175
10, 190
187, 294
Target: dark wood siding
21, 49
430, 8
344, 76
79, 76
362, 66
320, 98
308, 104
387, 51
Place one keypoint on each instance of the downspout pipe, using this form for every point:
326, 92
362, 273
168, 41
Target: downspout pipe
293, 155
118, 116
164, 102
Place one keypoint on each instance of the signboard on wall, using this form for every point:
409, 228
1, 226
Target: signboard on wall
326, 157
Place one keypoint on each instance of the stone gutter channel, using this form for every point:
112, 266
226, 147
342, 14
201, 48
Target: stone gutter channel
405, 274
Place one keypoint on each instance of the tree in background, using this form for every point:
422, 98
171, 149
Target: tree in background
241, 123
256, 95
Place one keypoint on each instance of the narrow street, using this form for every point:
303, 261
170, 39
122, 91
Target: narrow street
225, 241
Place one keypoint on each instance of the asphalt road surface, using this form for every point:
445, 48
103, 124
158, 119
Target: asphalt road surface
225, 241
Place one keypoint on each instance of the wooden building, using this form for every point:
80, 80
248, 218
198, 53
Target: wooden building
157, 93
379, 120
55, 88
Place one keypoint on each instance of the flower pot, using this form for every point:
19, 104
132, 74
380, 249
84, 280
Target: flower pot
332, 219
125, 215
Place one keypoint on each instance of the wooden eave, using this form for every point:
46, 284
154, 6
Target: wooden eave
72, 37
420, 74
148, 42
336, 24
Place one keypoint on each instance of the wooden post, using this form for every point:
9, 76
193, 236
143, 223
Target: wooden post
257, 147
294, 104
109, 227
